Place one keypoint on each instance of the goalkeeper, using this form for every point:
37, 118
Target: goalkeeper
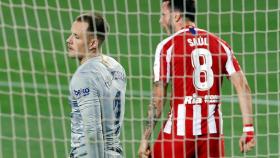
97, 92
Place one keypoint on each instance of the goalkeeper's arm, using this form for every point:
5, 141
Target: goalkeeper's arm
247, 141
154, 113
89, 105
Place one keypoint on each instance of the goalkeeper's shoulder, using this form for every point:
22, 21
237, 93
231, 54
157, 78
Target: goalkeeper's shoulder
112, 64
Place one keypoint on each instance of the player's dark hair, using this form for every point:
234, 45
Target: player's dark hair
96, 24
187, 7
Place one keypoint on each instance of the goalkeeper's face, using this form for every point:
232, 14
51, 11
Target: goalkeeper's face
80, 43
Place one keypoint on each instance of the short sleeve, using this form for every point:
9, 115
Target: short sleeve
232, 64
162, 63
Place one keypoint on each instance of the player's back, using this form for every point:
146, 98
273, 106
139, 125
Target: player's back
195, 61
113, 101
198, 63
198, 66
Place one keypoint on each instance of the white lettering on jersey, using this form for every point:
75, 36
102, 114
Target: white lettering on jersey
192, 100
197, 115
212, 99
198, 100
198, 41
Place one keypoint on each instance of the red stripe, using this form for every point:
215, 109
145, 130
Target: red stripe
248, 125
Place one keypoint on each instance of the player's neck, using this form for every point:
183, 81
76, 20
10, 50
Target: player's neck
89, 56
184, 24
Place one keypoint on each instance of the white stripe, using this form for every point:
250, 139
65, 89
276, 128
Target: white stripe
248, 129
221, 119
157, 63
168, 60
181, 118
168, 125
157, 59
196, 120
229, 65
211, 119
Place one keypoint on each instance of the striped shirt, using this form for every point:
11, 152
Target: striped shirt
195, 62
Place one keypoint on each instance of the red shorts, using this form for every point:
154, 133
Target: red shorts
203, 146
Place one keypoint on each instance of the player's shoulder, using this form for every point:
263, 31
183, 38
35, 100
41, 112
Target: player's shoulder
89, 68
91, 65
167, 42
88, 72
109, 61
162, 43
84, 72
101, 66
171, 37
98, 63
112, 64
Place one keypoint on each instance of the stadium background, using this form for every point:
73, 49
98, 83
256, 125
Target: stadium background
35, 71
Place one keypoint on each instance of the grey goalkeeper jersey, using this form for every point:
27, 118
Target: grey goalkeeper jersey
98, 100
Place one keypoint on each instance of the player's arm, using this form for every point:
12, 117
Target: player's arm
155, 107
89, 105
154, 113
247, 141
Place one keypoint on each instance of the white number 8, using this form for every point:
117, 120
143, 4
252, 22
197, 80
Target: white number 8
205, 68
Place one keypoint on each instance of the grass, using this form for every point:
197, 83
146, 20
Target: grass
35, 72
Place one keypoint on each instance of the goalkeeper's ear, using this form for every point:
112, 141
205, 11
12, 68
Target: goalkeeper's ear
93, 44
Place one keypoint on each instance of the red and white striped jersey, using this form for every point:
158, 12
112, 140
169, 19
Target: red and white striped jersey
195, 61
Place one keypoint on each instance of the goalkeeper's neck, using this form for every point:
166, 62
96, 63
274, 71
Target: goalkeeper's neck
90, 55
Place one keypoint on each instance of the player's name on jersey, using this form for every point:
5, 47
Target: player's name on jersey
199, 41
199, 100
